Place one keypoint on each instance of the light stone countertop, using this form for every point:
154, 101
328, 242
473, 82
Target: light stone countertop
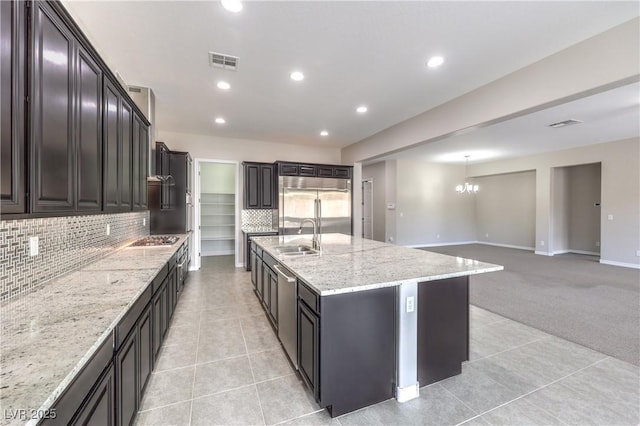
48, 334
349, 264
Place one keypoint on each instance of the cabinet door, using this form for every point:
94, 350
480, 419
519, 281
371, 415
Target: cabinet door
144, 164
52, 135
159, 308
308, 345
273, 298
145, 349
135, 163
254, 270
100, 408
12, 114
127, 378
266, 286
112, 158
89, 127
267, 197
125, 169
251, 186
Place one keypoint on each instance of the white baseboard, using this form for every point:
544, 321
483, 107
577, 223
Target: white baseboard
407, 393
623, 264
239, 264
506, 245
590, 253
543, 253
459, 243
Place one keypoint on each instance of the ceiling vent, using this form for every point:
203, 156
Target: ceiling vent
565, 123
220, 60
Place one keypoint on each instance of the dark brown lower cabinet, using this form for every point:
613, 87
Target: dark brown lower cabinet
145, 349
308, 346
127, 379
443, 328
273, 298
99, 409
159, 317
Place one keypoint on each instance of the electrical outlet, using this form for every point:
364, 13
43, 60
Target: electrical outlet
33, 246
610, 217
144, 221
390, 239
542, 243
108, 229
410, 304
638, 253
438, 236
486, 235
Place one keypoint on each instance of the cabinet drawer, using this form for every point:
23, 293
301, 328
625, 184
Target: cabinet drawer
325, 171
309, 297
157, 281
268, 260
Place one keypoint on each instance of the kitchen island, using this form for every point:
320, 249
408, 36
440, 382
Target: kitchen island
374, 320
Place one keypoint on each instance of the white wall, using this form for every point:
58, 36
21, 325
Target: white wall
599, 63
377, 172
620, 192
428, 209
505, 209
219, 178
216, 148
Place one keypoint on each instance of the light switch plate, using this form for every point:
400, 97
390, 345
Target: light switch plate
410, 304
33, 246
108, 229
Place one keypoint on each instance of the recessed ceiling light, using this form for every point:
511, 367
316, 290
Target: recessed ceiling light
223, 85
234, 6
297, 76
220, 120
361, 109
435, 61
324, 133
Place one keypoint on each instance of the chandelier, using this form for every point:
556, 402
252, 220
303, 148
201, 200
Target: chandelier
467, 187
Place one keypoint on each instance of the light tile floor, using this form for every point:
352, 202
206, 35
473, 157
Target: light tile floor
222, 364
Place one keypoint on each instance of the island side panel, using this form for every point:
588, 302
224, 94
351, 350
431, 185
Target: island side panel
357, 349
443, 328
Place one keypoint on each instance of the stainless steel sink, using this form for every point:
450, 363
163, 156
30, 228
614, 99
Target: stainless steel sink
296, 250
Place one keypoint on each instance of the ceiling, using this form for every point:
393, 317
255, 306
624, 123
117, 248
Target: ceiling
351, 53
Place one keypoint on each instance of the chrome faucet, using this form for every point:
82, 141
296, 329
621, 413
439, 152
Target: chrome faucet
315, 242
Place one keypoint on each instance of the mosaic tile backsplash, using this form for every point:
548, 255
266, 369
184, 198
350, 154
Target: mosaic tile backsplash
65, 244
257, 218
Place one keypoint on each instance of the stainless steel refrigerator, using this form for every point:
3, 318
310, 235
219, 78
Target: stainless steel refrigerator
326, 200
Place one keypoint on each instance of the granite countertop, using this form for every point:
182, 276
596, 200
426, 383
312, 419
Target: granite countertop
48, 334
349, 264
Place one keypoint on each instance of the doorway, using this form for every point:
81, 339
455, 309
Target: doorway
216, 208
576, 209
367, 209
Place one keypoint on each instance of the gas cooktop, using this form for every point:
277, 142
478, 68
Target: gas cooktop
156, 240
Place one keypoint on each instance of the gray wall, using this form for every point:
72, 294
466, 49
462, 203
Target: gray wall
620, 194
584, 221
560, 209
505, 209
377, 172
429, 211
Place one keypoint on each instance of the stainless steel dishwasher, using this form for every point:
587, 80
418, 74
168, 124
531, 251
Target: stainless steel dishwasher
287, 312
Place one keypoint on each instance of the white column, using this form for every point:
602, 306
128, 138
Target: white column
407, 336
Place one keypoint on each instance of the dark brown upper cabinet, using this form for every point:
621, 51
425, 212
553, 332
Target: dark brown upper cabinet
260, 186
89, 128
126, 152
112, 147
12, 108
314, 170
52, 125
72, 140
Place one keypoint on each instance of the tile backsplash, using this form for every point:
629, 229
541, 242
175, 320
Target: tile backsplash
65, 244
259, 218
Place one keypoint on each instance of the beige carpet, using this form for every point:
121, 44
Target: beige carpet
571, 296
